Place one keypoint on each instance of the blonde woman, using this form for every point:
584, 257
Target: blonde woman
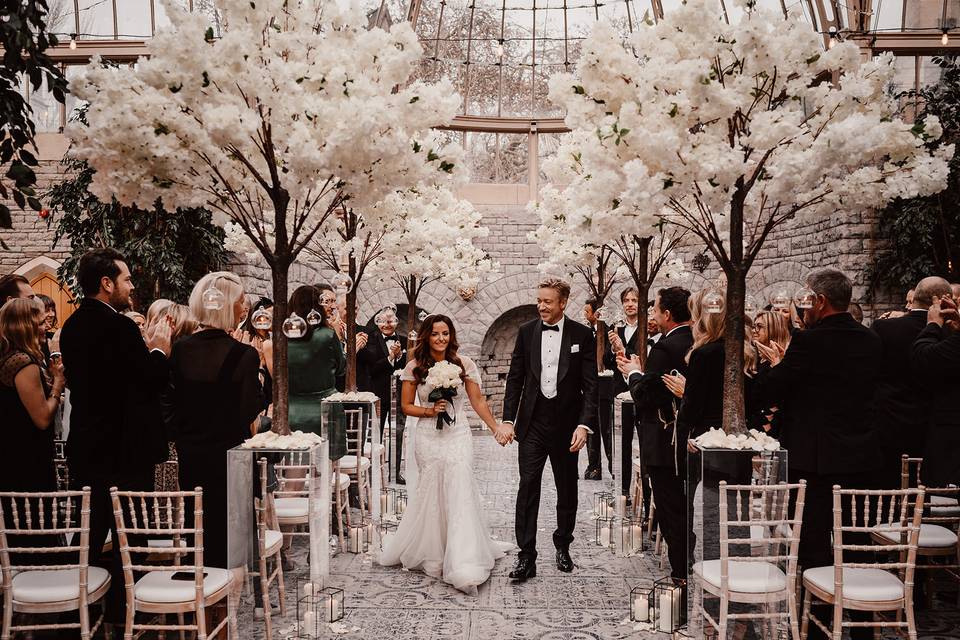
771, 334
215, 393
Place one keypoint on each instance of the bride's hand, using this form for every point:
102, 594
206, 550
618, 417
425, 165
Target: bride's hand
439, 407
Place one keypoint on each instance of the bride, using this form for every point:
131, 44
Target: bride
442, 532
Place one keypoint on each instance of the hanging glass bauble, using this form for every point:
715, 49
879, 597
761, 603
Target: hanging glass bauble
262, 320
600, 314
750, 306
412, 336
294, 326
213, 299
780, 299
423, 316
342, 283
713, 302
314, 318
804, 298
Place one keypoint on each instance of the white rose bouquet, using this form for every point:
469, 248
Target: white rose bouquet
445, 379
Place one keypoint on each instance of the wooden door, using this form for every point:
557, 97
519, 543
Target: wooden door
48, 285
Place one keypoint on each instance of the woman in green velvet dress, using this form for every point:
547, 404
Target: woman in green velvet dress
314, 362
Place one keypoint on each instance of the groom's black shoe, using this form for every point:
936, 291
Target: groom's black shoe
592, 474
564, 562
524, 569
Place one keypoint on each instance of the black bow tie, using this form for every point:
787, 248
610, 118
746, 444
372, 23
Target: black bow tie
550, 327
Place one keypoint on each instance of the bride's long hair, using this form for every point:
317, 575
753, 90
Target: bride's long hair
422, 354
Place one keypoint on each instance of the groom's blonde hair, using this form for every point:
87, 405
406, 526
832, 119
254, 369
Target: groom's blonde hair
557, 285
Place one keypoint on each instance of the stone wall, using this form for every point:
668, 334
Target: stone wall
32, 236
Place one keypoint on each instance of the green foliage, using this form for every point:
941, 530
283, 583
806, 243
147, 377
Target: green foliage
167, 251
24, 41
924, 232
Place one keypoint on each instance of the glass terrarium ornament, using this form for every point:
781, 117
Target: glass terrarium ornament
780, 299
294, 326
213, 299
750, 306
262, 320
423, 316
314, 318
804, 298
713, 302
342, 283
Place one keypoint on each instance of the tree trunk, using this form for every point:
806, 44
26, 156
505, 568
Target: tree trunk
411, 315
642, 315
351, 320
601, 345
734, 415
281, 381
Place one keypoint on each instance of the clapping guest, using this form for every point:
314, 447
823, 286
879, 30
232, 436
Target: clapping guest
214, 395
158, 309
902, 402
138, 320
624, 341
605, 392
936, 361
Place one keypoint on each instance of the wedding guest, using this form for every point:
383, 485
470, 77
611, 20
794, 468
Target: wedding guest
626, 340
902, 399
386, 355
138, 319
261, 303
769, 329
910, 294
115, 376
14, 286
655, 404
49, 325
955, 291
605, 394
936, 361
314, 362
336, 319
824, 386
158, 309
214, 396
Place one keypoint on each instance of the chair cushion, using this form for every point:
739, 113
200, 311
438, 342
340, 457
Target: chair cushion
55, 586
350, 462
272, 538
872, 585
944, 506
159, 586
932, 536
165, 543
366, 448
745, 577
292, 507
344, 481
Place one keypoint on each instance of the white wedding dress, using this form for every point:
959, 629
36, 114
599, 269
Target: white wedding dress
442, 531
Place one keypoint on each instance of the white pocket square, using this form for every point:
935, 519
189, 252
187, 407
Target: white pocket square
575, 348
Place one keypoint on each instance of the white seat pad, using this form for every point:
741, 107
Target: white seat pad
344, 481
366, 448
159, 586
872, 585
164, 543
745, 577
55, 586
272, 538
931, 536
944, 506
350, 462
292, 507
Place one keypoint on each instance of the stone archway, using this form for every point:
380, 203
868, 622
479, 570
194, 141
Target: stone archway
495, 350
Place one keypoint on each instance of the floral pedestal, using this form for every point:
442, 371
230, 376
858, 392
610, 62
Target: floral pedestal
755, 538
243, 482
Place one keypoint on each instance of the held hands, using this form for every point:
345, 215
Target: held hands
628, 365
675, 384
579, 440
503, 434
772, 354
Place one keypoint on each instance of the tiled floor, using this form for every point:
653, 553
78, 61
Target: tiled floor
591, 602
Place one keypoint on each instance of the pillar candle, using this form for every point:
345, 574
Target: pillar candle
355, 535
308, 589
621, 505
605, 536
666, 609
637, 537
641, 608
310, 623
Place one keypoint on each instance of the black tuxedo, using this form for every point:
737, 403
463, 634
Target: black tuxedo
665, 462
376, 356
116, 430
544, 426
630, 423
824, 388
936, 362
900, 402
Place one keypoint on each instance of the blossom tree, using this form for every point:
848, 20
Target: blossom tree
432, 240
731, 131
297, 112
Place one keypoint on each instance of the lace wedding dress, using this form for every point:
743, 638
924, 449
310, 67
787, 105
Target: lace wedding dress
442, 531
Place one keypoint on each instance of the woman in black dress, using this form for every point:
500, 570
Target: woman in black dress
215, 394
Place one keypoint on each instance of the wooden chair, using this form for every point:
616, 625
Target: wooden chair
269, 543
910, 469
37, 588
292, 497
354, 464
868, 586
767, 576
162, 513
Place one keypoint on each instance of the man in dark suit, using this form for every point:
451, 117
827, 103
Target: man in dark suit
663, 457
550, 399
901, 404
115, 376
384, 354
824, 387
604, 433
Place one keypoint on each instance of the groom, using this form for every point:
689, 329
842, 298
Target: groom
551, 401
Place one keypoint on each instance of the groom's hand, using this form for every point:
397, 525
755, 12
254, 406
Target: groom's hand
503, 434
579, 440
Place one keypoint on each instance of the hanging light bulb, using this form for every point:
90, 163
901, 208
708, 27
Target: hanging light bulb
713, 302
314, 318
213, 299
294, 326
342, 283
945, 38
73, 42
262, 320
804, 298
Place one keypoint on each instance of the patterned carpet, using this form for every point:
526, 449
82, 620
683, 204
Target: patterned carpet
590, 603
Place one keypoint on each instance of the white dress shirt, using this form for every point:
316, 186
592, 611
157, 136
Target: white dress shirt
628, 331
550, 359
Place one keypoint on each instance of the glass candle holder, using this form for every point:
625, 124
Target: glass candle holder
605, 531
669, 612
603, 504
359, 536
388, 502
401, 502
641, 603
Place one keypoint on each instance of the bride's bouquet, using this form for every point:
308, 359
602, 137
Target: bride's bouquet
445, 379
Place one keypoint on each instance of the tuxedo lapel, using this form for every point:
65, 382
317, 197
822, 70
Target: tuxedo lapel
535, 348
565, 341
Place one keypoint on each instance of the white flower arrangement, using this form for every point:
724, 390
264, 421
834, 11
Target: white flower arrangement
444, 375
271, 440
354, 396
753, 439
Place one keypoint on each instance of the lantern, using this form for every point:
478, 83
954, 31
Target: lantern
669, 606
605, 531
641, 603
